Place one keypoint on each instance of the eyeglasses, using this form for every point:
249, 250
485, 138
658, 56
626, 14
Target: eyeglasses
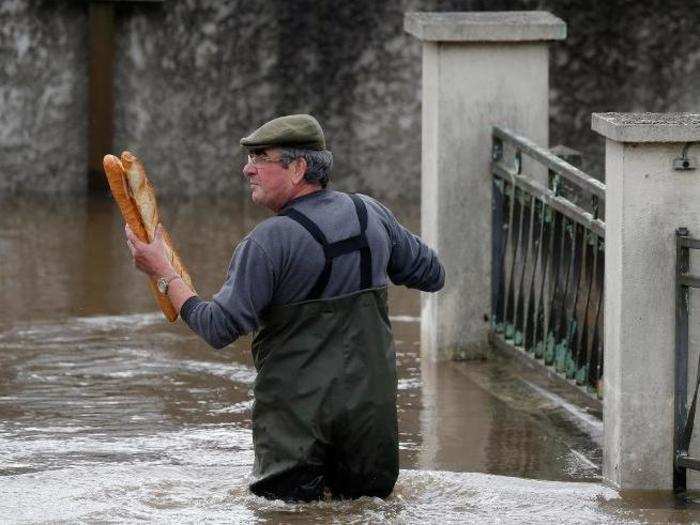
257, 160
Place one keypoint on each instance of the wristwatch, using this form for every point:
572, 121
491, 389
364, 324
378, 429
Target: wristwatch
164, 282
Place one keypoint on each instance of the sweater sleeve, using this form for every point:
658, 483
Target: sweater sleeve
412, 262
235, 309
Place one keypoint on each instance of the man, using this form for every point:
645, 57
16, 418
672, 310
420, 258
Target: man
312, 281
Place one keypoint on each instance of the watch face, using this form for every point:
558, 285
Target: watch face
162, 285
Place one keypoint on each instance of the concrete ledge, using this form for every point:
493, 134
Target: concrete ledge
648, 127
486, 26
578, 394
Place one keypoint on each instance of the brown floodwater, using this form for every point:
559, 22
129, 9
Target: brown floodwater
110, 413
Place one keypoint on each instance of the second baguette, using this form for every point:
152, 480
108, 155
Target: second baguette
116, 178
144, 198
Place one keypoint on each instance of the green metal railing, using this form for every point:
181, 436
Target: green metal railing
548, 252
684, 417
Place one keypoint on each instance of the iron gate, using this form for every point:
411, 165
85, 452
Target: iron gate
684, 418
548, 251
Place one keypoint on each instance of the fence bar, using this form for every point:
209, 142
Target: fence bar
689, 242
584, 365
691, 281
498, 249
523, 299
598, 338
564, 327
574, 326
519, 289
554, 163
531, 315
514, 249
542, 309
529, 259
559, 203
552, 325
686, 462
507, 276
681, 364
562, 323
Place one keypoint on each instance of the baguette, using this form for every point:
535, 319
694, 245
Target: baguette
144, 197
118, 184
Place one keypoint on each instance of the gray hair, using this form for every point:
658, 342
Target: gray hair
319, 163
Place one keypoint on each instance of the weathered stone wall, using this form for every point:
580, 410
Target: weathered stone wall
621, 56
197, 76
193, 76
43, 96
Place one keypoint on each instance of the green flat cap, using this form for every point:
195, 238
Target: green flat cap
294, 131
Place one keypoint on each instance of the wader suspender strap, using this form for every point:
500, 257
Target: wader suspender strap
335, 249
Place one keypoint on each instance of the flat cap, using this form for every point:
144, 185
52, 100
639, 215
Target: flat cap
294, 131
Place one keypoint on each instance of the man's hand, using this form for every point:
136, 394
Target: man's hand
150, 258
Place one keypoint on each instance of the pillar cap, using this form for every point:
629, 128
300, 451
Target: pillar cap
485, 26
648, 127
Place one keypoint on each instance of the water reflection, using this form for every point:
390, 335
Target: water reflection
108, 412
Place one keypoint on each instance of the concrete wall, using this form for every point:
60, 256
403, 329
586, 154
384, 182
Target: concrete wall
220, 69
646, 201
196, 75
467, 88
43, 96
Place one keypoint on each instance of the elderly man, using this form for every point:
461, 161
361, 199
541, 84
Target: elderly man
312, 281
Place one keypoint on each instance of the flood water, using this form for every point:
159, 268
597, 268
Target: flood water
110, 413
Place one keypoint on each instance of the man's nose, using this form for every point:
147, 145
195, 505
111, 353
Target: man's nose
249, 170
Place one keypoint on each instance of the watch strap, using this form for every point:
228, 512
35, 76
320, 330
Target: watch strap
171, 279
167, 281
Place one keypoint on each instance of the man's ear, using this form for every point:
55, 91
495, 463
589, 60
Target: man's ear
300, 168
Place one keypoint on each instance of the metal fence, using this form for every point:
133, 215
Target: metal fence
684, 418
548, 252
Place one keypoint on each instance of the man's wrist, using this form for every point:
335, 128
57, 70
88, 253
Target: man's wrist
170, 276
163, 283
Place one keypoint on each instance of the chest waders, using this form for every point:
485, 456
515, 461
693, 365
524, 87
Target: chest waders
324, 415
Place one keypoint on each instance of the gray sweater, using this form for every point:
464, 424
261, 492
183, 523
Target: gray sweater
279, 261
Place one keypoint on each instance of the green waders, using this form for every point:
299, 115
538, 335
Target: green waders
324, 415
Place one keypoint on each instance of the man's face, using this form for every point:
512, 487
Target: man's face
270, 182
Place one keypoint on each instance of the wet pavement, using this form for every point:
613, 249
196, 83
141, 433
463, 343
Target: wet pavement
110, 413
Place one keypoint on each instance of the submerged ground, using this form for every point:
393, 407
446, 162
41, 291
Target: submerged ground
110, 413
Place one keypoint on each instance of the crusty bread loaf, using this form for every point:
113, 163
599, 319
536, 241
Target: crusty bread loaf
117, 178
145, 199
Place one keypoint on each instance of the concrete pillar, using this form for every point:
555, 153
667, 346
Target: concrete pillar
479, 70
646, 200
